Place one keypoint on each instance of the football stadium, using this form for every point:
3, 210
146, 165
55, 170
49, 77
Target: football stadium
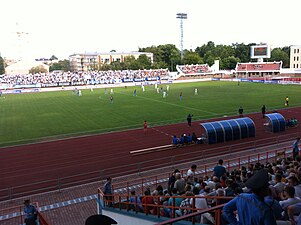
189, 143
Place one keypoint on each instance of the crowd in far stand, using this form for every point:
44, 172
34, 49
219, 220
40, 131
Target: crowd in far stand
260, 192
192, 69
110, 76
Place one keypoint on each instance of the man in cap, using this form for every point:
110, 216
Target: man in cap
250, 207
30, 212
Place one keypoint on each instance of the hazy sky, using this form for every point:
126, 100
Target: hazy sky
64, 27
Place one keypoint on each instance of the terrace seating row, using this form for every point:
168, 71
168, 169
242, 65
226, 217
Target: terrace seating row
253, 67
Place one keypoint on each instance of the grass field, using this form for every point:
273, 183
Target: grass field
37, 116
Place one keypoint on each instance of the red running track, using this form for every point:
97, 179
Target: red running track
27, 164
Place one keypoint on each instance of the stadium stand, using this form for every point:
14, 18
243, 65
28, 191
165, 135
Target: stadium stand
194, 69
207, 191
258, 68
69, 78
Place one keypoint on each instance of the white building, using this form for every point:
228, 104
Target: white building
90, 61
295, 57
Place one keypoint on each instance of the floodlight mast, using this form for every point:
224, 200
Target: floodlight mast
181, 16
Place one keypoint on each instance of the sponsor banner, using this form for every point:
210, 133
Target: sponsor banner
271, 82
245, 80
127, 80
27, 86
215, 79
139, 79
258, 81
152, 78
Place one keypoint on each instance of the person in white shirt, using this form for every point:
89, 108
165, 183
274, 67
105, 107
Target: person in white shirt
195, 91
289, 194
164, 94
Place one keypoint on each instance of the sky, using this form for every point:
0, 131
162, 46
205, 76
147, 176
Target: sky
65, 27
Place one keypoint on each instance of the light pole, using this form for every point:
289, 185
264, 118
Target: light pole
181, 16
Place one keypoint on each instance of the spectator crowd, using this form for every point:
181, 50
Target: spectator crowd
188, 191
75, 78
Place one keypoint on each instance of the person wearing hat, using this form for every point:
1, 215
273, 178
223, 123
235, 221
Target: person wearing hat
100, 220
251, 207
30, 212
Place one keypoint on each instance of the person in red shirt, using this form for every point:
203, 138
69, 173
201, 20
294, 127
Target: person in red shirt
145, 126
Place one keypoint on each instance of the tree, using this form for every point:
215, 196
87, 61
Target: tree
38, 69
277, 55
53, 57
192, 58
144, 62
60, 65
2, 67
229, 62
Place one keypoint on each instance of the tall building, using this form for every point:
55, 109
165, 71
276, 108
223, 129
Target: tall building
90, 61
295, 57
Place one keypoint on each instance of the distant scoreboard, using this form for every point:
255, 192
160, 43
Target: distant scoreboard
260, 51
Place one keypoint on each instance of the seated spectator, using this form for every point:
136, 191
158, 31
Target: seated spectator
194, 138
185, 207
181, 141
136, 206
189, 139
148, 202
175, 141
289, 199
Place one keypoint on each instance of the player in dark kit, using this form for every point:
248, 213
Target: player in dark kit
189, 118
263, 111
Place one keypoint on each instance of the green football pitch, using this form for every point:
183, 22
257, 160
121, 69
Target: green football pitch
37, 116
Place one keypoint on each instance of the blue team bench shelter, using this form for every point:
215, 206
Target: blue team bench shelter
229, 130
275, 122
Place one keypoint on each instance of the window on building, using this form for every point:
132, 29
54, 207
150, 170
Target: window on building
294, 50
297, 66
298, 50
107, 60
294, 58
297, 58
294, 65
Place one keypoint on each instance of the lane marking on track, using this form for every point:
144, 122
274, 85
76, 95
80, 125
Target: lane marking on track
160, 131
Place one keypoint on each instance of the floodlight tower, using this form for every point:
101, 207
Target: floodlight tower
20, 35
181, 16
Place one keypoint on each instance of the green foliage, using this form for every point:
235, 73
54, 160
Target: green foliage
192, 58
60, 65
2, 67
53, 57
278, 54
31, 116
38, 69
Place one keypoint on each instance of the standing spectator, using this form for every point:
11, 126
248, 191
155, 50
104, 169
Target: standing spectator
240, 111
296, 148
181, 96
107, 190
171, 181
145, 126
135, 92
180, 184
30, 212
219, 170
263, 111
111, 99
251, 208
191, 174
286, 101
189, 118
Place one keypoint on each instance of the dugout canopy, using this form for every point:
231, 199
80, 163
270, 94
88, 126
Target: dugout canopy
229, 130
275, 122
